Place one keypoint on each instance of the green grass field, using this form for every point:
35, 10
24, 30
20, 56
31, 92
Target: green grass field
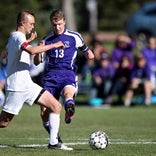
131, 131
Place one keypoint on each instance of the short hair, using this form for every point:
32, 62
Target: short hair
57, 15
22, 16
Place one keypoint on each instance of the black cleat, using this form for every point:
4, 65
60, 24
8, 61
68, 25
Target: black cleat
60, 147
70, 110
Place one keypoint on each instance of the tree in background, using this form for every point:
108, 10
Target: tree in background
111, 14
68, 7
8, 13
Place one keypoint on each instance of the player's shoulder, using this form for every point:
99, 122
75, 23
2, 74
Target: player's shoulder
16, 37
16, 34
72, 33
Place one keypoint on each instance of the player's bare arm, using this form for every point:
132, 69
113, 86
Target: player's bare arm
40, 48
38, 57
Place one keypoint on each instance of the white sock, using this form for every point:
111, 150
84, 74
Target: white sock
54, 120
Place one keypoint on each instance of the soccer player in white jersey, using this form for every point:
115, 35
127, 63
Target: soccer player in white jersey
20, 88
60, 75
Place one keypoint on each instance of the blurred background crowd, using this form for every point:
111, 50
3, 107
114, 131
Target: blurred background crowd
123, 41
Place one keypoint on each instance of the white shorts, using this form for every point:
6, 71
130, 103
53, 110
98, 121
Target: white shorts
15, 99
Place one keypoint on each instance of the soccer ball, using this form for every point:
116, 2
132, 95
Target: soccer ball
98, 140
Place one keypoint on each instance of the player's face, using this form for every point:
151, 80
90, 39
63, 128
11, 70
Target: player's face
58, 26
28, 24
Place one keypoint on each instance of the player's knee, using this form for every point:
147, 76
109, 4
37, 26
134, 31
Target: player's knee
57, 109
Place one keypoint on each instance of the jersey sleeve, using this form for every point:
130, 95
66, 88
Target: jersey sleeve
21, 41
81, 44
24, 45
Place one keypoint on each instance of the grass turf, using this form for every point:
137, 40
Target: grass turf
131, 132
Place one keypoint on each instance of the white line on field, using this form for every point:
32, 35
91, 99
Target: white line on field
83, 143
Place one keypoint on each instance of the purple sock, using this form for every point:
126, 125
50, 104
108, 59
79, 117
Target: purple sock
68, 102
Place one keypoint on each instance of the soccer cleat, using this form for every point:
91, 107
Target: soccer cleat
60, 147
70, 110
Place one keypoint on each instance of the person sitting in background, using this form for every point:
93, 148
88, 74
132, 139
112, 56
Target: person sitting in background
150, 54
86, 73
121, 80
140, 75
123, 46
102, 76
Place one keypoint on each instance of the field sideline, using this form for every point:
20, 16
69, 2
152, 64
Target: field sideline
131, 131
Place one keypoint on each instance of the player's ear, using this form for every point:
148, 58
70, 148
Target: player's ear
23, 22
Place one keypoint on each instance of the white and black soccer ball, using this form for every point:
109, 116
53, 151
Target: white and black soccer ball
98, 140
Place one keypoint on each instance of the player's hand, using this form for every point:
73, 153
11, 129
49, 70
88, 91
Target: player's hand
32, 37
58, 44
90, 55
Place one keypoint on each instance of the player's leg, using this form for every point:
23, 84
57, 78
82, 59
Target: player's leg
147, 89
5, 119
12, 105
45, 118
47, 100
68, 95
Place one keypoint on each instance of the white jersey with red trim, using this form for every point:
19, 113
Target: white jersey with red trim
18, 62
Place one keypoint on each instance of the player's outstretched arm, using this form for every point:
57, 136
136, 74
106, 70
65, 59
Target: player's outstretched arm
40, 48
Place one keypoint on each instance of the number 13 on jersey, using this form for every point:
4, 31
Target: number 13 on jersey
59, 53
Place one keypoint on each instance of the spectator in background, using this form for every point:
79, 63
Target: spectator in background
102, 76
121, 80
98, 49
85, 79
86, 74
123, 46
150, 54
140, 76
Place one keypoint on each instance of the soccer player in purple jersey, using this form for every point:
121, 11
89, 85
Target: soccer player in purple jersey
60, 76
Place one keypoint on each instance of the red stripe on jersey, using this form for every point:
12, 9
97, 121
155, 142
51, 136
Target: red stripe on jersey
24, 45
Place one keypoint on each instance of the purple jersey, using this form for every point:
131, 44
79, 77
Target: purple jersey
118, 53
59, 58
60, 64
104, 72
141, 72
150, 55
